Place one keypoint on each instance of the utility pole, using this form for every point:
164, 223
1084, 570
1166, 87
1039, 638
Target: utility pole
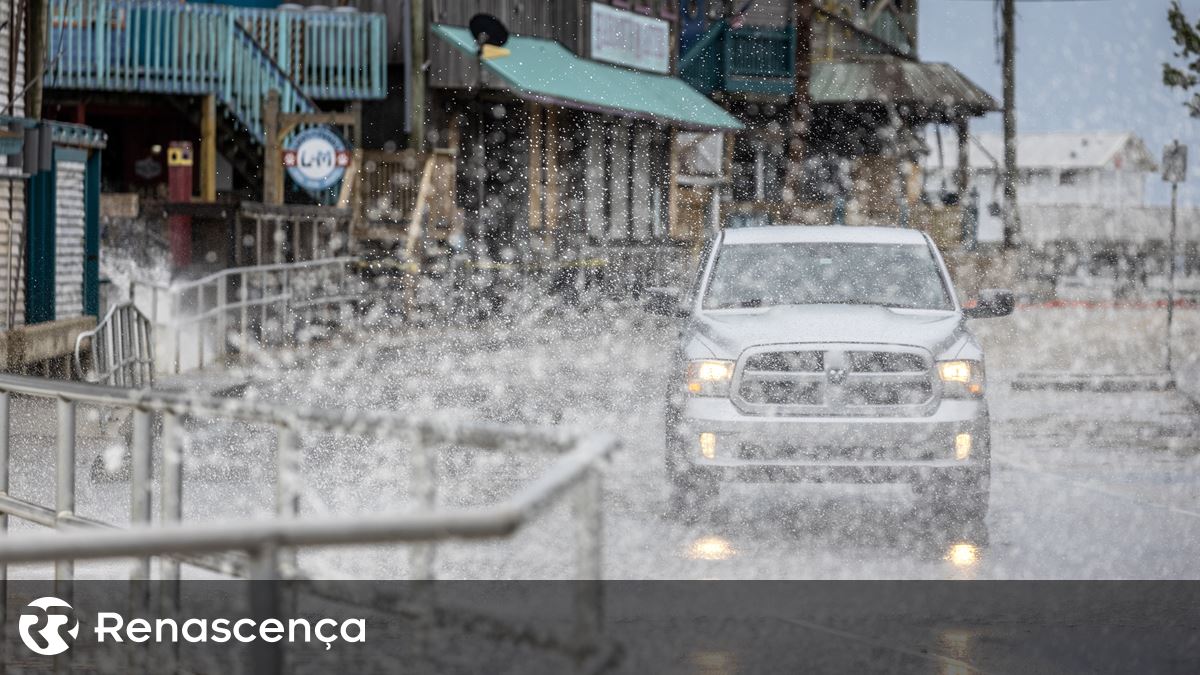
1012, 221
35, 56
1174, 172
801, 102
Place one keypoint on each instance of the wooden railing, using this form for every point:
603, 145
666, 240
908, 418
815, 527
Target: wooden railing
390, 183
238, 54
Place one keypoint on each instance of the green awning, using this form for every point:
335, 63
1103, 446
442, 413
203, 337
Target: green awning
544, 71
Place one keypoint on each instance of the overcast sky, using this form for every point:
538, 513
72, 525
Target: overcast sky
1081, 65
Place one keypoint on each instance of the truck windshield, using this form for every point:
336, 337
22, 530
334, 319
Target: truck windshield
818, 273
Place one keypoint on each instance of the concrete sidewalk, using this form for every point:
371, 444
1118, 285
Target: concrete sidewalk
1080, 341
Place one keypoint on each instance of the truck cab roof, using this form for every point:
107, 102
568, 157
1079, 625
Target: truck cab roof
842, 234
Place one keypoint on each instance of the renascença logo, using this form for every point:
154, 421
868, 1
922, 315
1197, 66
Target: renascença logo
48, 626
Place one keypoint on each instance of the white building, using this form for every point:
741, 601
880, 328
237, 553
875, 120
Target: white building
1107, 169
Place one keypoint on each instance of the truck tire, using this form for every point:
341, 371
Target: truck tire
690, 496
955, 502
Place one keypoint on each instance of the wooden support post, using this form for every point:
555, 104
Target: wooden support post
961, 171
273, 152
208, 149
801, 100
535, 166
357, 178
416, 66
674, 227
35, 54
550, 152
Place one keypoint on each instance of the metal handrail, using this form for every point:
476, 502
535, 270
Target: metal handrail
268, 548
161, 46
499, 520
122, 346
225, 302
238, 271
235, 53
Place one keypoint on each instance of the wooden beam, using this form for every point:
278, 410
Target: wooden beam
273, 153
416, 220
208, 149
288, 121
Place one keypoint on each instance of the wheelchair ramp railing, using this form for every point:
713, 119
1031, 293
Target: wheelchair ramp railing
121, 348
268, 548
237, 309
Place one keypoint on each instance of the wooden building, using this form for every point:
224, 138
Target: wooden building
49, 221
864, 97
567, 138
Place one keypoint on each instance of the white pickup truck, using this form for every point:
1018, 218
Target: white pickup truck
829, 354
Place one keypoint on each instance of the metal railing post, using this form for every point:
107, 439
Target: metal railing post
171, 512
589, 594
140, 508
64, 503
177, 327
222, 338
200, 323
244, 297
171, 492
262, 325
422, 557
265, 657
287, 489
64, 500
141, 487
4, 462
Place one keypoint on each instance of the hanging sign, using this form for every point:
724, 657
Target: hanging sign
630, 39
316, 158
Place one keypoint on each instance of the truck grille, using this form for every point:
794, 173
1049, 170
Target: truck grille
835, 381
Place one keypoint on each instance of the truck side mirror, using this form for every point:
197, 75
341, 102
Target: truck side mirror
992, 302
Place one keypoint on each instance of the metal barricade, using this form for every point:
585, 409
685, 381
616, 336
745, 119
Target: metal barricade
266, 549
122, 349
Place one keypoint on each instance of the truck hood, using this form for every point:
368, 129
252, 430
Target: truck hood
729, 332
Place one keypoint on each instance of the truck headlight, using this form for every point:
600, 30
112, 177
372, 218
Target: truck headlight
961, 379
709, 377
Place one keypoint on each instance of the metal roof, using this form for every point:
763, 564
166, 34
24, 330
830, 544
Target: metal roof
841, 234
544, 71
1059, 150
931, 88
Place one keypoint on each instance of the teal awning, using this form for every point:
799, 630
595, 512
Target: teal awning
544, 71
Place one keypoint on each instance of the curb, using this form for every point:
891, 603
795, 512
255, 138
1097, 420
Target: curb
1094, 383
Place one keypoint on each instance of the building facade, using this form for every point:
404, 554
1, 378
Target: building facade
834, 98
1103, 169
49, 220
567, 139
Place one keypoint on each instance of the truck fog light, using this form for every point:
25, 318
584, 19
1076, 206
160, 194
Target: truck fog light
962, 446
708, 445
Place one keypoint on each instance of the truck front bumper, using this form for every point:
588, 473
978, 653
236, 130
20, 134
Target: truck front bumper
716, 440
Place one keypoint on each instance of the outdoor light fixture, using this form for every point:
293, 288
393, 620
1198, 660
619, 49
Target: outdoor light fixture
709, 378
962, 447
961, 379
708, 445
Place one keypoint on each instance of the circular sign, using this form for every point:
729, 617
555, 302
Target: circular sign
316, 158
